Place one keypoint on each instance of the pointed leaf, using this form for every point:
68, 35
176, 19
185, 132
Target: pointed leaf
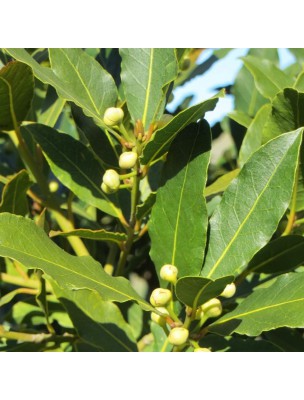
281, 304
196, 290
221, 184
161, 139
254, 135
14, 194
240, 117
145, 73
280, 255
97, 322
77, 77
74, 165
252, 206
16, 93
178, 225
101, 234
286, 114
23, 241
269, 79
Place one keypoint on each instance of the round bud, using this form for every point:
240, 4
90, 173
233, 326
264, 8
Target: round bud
204, 349
160, 297
158, 319
165, 119
127, 159
229, 291
111, 179
212, 308
105, 188
113, 116
53, 186
169, 273
178, 336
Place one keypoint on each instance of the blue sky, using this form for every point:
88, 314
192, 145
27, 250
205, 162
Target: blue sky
222, 73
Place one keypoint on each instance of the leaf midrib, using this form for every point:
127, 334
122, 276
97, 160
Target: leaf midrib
148, 89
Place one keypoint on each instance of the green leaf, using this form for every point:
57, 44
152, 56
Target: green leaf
16, 93
145, 74
74, 165
178, 225
254, 135
194, 291
97, 322
221, 184
143, 209
161, 343
14, 194
286, 114
240, 117
252, 206
281, 304
286, 339
77, 77
101, 234
23, 241
299, 84
161, 139
51, 109
269, 79
280, 255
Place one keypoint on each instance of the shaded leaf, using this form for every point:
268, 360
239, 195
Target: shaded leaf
194, 291
101, 234
178, 224
280, 255
221, 184
281, 304
97, 322
74, 165
269, 79
77, 77
286, 339
143, 209
23, 241
16, 93
161, 139
252, 206
145, 74
254, 135
14, 194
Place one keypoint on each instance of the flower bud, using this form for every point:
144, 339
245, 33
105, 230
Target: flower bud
160, 297
113, 116
105, 188
127, 159
169, 273
212, 308
111, 180
204, 349
178, 336
229, 291
53, 186
158, 319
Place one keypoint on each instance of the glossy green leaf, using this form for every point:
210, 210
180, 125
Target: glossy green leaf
161, 343
22, 240
97, 322
51, 108
101, 234
14, 198
252, 206
240, 117
221, 184
286, 114
143, 209
269, 79
74, 165
16, 93
280, 255
77, 77
161, 139
196, 290
254, 135
281, 304
145, 73
178, 225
